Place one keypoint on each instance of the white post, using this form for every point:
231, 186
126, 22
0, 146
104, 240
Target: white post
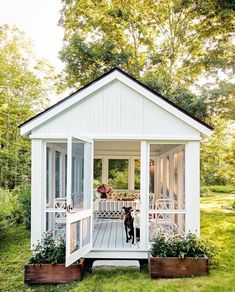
37, 190
105, 170
171, 189
192, 187
158, 184
131, 174
144, 195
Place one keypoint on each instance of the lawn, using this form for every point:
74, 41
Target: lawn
217, 224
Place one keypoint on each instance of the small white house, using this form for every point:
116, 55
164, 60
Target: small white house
115, 130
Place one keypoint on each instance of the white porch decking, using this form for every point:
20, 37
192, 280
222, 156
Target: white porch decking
109, 234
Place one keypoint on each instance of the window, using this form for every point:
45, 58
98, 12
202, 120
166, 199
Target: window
58, 181
137, 174
151, 175
161, 176
48, 175
97, 172
118, 173
65, 174
167, 176
175, 176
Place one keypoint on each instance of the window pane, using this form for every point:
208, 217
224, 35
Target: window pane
57, 174
77, 173
168, 176
176, 176
118, 173
65, 174
97, 172
161, 176
48, 175
137, 174
56, 224
86, 228
151, 176
74, 236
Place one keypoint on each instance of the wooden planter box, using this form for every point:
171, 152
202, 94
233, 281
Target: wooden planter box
176, 267
53, 273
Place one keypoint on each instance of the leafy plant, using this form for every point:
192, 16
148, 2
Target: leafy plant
48, 251
15, 206
181, 246
205, 191
222, 189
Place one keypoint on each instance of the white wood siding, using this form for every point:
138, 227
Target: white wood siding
117, 110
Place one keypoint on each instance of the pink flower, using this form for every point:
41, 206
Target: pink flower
104, 188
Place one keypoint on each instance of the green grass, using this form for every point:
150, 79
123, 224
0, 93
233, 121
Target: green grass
217, 224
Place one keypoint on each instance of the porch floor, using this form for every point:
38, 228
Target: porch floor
110, 233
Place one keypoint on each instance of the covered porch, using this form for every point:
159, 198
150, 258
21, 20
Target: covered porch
149, 176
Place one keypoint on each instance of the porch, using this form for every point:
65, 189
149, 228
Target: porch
147, 176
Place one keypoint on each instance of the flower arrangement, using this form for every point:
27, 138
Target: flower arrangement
104, 190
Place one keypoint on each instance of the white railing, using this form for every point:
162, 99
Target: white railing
113, 209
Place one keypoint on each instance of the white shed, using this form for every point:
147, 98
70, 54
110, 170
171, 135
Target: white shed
116, 131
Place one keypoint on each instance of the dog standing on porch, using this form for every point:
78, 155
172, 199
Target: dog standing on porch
129, 224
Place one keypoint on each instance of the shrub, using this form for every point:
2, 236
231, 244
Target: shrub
48, 251
222, 189
15, 206
24, 199
205, 192
9, 208
181, 246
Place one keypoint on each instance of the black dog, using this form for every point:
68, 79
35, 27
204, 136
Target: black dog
129, 224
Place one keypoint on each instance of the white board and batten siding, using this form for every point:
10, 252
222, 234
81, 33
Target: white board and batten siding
118, 111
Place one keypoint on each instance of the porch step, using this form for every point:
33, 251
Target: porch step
115, 264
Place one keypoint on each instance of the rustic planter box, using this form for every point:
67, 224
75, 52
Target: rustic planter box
53, 273
176, 267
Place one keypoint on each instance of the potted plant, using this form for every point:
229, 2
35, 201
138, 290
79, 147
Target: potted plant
175, 256
47, 265
104, 190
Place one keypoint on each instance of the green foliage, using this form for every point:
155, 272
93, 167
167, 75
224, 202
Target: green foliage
15, 206
24, 89
181, 246
118, 173
48, 251
222, 189
24, 201
161, 43
205, 191
217, 153
11, 213
164, 45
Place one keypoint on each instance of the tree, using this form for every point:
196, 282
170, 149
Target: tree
169, 45
217, 156
177, 40
23, 92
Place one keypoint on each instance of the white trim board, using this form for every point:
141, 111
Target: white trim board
110, 77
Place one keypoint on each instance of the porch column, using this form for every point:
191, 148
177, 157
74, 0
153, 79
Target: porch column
192, 187
38, 176
144, 194
105, 170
